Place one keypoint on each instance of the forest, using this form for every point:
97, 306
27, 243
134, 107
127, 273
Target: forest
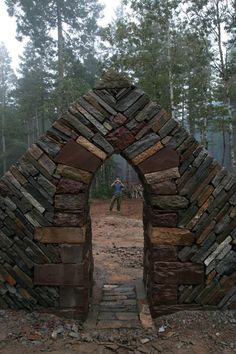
181, 53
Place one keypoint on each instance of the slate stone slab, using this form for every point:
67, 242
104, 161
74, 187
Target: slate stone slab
170, 202
91, 147
50, 146
178, 137
60, 234
164, 188
35, 151
161, 176
124, 103
69, 219
178, 273
148, 112
65, 130
93, 98
67, 185
164, 294
74, 297
147, 153
164, 253
75, 155
137, 107
74, 173
164, 159
106, 96
168, 128
141, 145
164, 219
72, 254
77, 125
69, 202
90, 109
103, 143
120, 139
170, 236
60, 274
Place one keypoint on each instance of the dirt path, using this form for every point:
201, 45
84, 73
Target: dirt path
117, 242
118, 251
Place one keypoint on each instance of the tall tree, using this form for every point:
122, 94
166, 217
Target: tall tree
75, 24
170, 63
212, 19
7, 82
33, 93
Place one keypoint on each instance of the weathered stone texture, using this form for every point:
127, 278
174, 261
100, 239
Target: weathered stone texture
189, 211
162, 160
170, 236
75, 155
120, 139
60, 235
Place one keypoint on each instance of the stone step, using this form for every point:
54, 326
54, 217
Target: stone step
118, 307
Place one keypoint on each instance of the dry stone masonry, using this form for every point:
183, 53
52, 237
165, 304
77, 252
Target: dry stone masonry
46, 255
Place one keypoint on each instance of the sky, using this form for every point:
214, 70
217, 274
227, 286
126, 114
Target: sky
8, 29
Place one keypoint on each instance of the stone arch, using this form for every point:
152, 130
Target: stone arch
189, 209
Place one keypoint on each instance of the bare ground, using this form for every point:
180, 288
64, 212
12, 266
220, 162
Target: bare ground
118, 251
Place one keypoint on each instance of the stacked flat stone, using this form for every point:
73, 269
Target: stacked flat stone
189, 208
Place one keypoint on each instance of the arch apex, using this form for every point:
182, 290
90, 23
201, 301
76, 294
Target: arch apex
112, 79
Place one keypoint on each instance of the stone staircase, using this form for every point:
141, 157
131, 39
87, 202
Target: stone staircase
118, 308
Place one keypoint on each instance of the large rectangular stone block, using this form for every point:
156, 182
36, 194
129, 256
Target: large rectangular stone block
164, 294
71, 254
70, 186
170, 202
60, 274
162, 160
164, 253
161, 176
170, 236
60, 234
70, 201
74, 297
70, 219
178, 273
164, 219
164, 188
75, 155
74, 173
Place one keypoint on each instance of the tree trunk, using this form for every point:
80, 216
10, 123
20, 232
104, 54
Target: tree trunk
230, 120
170, 73
224, 142
3, 138
60, 53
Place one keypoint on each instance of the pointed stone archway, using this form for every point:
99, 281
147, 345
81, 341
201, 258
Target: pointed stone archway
189, 208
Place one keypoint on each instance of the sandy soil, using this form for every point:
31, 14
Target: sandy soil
118, 252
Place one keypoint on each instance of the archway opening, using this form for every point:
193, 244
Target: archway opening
117, 235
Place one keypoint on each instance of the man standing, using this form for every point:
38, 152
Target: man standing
117, 185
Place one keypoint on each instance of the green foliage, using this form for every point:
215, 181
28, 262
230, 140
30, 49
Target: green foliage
101, 185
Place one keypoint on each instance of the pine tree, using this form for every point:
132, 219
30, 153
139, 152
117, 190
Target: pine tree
7, 82
73, 24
